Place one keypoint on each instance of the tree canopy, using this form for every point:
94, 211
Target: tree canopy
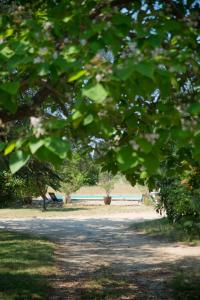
121, 77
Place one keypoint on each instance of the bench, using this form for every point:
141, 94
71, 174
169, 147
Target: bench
54, 198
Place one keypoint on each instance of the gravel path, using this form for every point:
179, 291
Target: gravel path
101, 258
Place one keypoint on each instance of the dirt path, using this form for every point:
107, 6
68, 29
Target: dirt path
100, 258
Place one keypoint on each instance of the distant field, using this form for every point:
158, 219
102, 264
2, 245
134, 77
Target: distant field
72, 210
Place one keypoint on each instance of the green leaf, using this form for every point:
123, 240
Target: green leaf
8, 101
43, 69
127, 158
145, 68
58, 146
2, 145
151, 163
96, 93
17, 160
77, 75
125, 71
194, 109
76, 115
145, 145
89, 119
44, 154
7, 52
56, 124
10, 148
35, 145
10, 87
67, 19
20, 142
143, 175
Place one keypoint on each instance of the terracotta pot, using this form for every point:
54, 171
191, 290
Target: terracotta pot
107, 200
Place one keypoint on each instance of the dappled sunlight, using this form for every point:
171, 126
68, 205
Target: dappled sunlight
98, 255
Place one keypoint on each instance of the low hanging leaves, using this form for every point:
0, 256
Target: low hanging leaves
17, 160
96, 93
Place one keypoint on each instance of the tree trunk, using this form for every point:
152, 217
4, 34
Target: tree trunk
44, 202
43, 194
67, 199
28, 200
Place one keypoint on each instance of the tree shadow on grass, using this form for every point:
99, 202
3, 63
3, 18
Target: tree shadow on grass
25, 262
21, 285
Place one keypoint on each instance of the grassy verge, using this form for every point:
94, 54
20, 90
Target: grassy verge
161, 228
70, 210
26, 263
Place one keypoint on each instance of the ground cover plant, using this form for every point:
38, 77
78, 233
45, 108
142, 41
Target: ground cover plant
162, 228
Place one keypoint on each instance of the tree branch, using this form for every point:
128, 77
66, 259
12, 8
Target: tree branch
26, 110
115, 3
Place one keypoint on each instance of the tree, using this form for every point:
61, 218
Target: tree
75, 172
178, 183
122, 77
31, 181
107, 182
38, 177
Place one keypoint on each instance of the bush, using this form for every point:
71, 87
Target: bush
181, 203
10, 189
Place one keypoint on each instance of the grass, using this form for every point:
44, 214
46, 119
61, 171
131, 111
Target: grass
186, 283
161, 228
69, 210
26, 263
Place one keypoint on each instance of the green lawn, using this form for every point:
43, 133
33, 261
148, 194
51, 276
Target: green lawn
70, 210
26, 264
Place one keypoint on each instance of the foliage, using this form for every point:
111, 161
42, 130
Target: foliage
180, 202
107, 182
11, 188
162, 228
25, 263
76, 171
122, 77
31, 181
185, 283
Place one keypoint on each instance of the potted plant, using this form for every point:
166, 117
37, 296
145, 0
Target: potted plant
107, 183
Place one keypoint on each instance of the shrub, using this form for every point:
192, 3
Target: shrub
181, 202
